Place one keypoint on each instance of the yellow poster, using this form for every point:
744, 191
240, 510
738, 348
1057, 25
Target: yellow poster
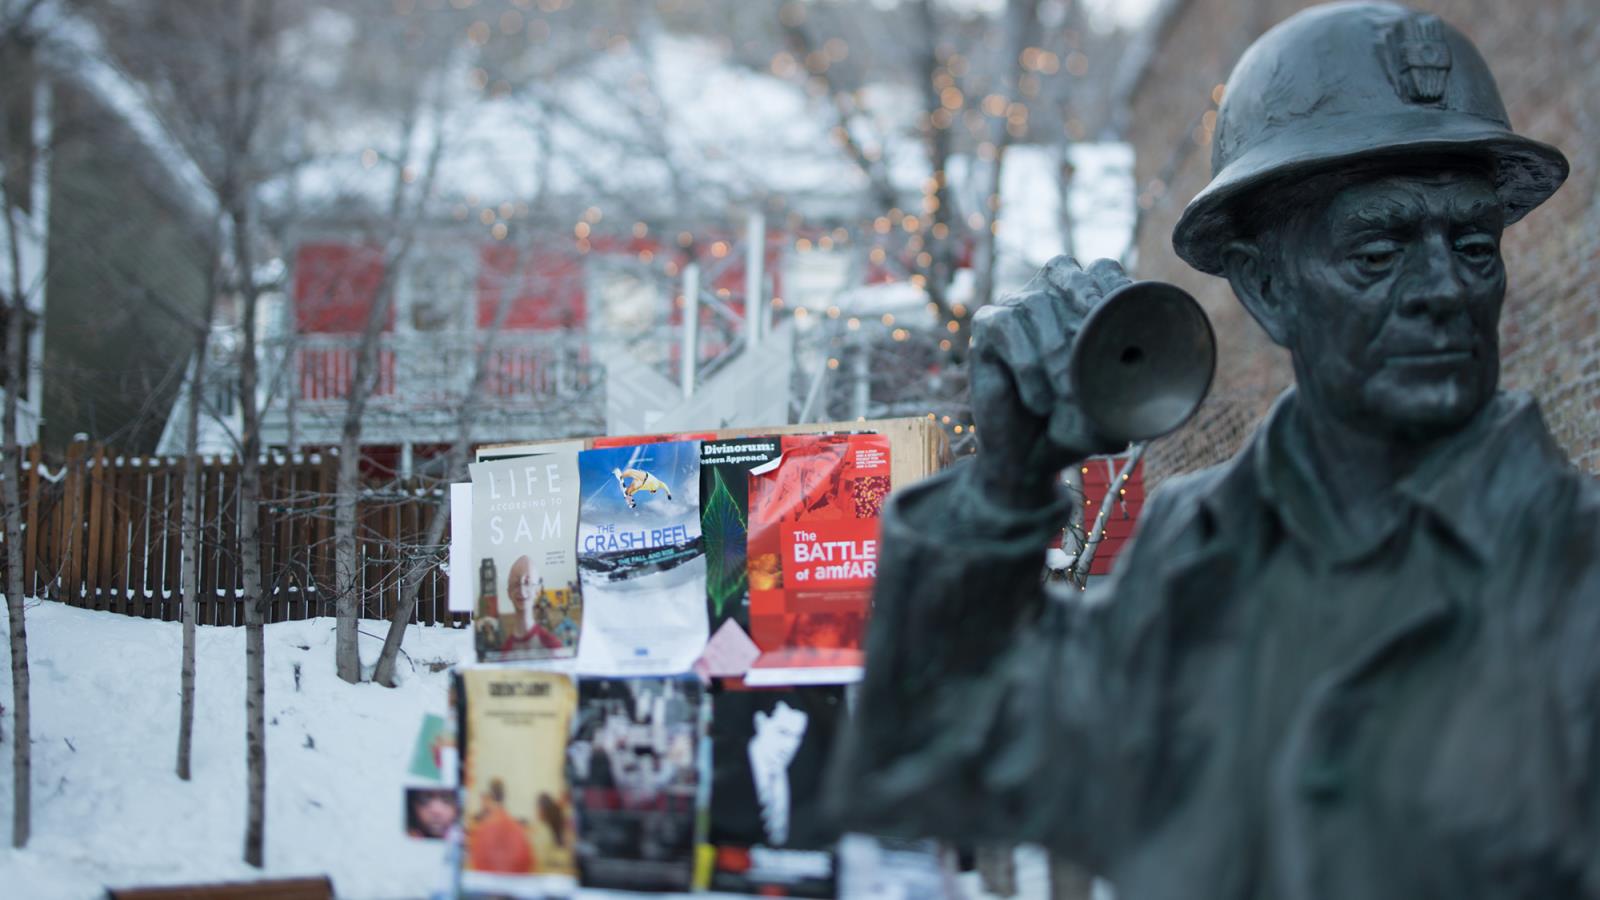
517, 809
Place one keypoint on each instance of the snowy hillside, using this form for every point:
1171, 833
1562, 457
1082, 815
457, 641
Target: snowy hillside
108, 810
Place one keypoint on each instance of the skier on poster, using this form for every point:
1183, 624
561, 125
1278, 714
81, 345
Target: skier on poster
635, 480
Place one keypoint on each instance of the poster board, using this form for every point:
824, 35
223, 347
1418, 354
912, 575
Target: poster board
918, 447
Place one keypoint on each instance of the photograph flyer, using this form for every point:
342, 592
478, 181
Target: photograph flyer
519, 830
813, 553
635, 764
431, 812
769, 750
434, 752
524, 524
640, 560
724, 522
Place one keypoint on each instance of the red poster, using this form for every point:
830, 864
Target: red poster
813, 551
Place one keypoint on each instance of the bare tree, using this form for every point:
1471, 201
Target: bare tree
421, 92
347, 489
16, 313
455, 459
219, 77
190, 515
18, 153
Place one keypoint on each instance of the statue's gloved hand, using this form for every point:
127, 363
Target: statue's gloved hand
1030, 425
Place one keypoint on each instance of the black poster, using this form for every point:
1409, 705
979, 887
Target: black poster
769, 749
635, 763
725, 523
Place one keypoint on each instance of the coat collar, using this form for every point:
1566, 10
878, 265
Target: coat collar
1470, 481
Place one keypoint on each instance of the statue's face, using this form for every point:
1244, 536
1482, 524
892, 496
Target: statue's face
1393, 296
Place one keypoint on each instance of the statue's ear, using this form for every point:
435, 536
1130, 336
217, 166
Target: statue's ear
1250, 275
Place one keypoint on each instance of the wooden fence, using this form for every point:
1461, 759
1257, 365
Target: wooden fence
103, 531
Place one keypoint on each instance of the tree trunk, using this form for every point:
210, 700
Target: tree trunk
347, 486
250, 550
255, 661
191, 514
21, 733
1021, 18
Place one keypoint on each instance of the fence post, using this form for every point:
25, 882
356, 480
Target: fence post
72, 523
170, 587
30, 501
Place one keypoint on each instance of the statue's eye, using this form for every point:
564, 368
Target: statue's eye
1478, 248
1377, 256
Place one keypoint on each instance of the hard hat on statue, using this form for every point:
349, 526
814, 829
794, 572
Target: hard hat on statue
1353, 83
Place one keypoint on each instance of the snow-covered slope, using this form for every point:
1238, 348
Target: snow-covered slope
108, 810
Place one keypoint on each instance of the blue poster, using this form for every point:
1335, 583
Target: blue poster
640, 559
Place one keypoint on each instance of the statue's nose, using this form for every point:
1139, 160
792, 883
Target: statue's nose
1431, 284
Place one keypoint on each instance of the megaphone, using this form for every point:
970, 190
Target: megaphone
1142, 361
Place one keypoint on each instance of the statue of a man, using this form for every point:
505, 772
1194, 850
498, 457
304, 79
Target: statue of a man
1359, 660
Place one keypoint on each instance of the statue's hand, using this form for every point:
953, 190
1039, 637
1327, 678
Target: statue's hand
1030, 426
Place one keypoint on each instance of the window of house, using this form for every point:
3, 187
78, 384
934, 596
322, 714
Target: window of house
625, 299
440, 289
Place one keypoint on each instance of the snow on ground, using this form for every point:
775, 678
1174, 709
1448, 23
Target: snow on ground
108, 810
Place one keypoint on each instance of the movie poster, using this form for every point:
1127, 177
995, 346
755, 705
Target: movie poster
635, 763
520, 833
525, 514
769, 750
724, 522
813, 553
640, 560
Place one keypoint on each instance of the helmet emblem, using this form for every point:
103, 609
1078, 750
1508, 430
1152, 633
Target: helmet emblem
1421, 57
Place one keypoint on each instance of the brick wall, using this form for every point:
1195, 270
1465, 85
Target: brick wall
1545, 54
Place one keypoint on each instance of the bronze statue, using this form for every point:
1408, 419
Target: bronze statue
1359, 660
